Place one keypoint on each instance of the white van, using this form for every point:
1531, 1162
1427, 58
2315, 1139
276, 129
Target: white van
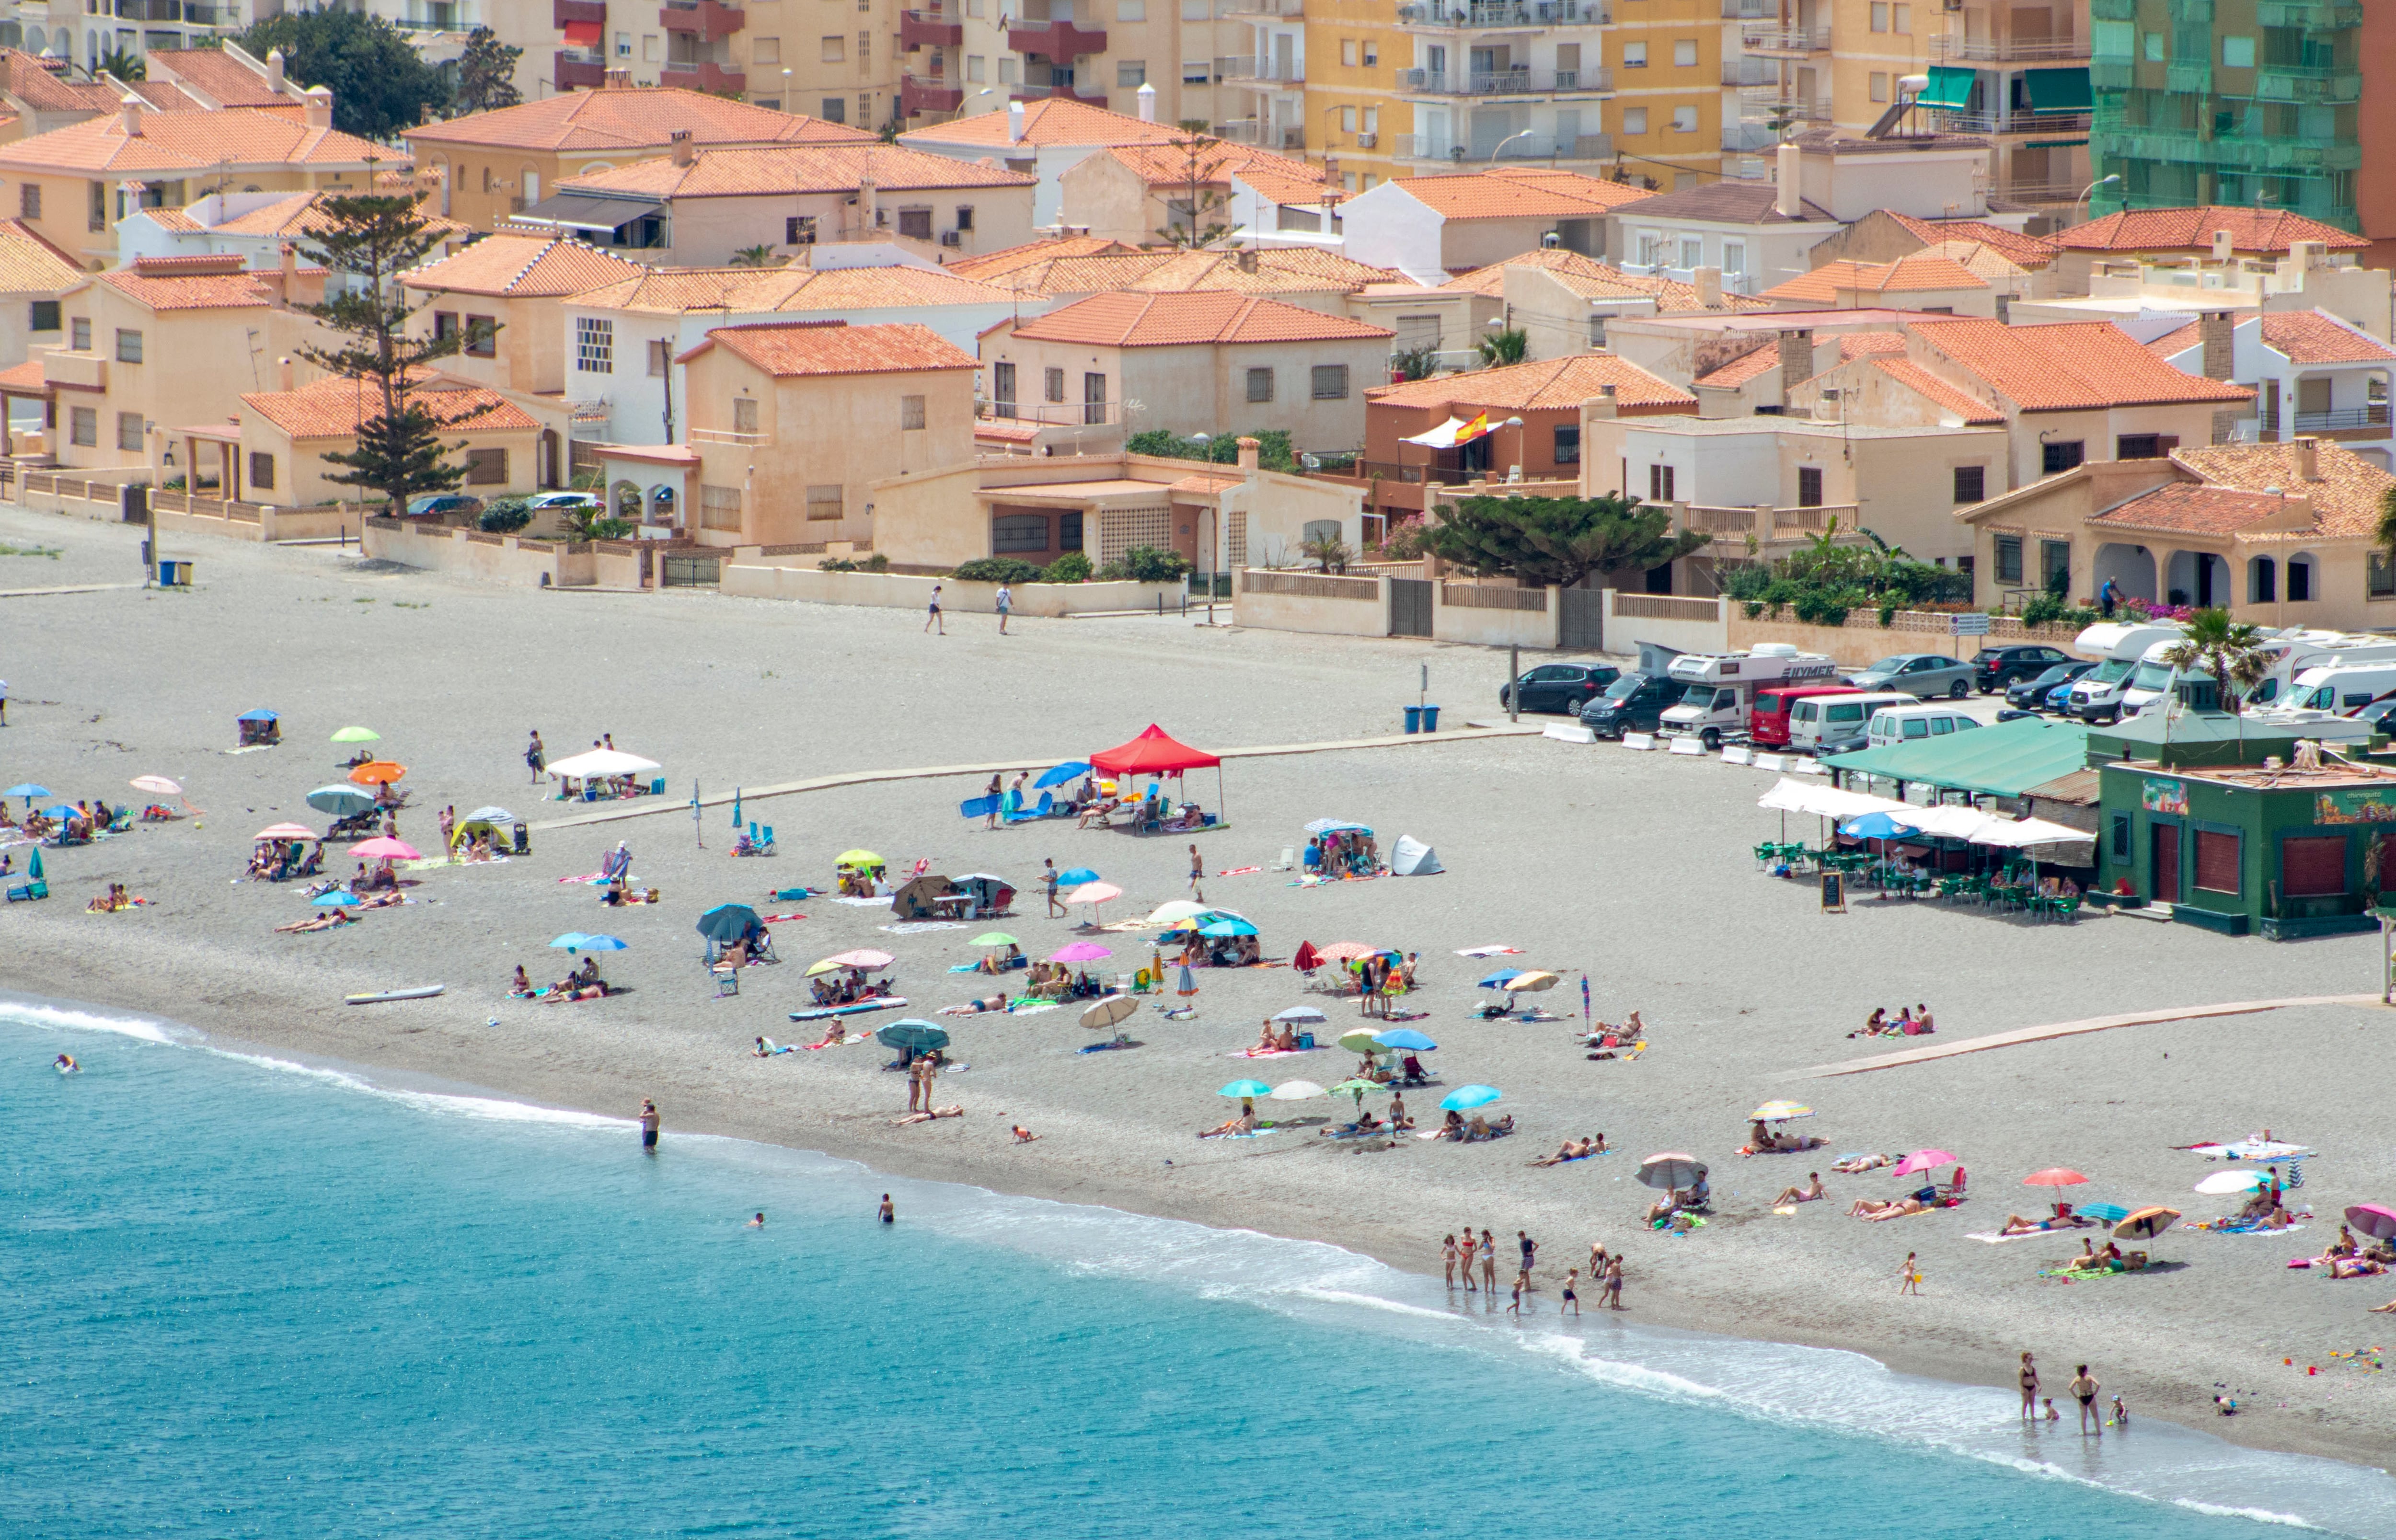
1914, 725
2340, 689
2118, 647
1828, 724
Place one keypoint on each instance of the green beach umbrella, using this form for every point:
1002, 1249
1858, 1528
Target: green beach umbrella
995, 938
357, 735
1357, 1088
34, 867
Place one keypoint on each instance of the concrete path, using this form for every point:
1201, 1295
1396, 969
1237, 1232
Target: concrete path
2070, 1029
76, 588
651, 806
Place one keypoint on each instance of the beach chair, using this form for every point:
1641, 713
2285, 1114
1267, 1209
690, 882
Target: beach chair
727, 982
26, 891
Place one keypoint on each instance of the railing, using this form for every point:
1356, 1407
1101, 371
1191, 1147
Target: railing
1541, 13
2309, 83
705, 19
1771, 37
1055, 40
1475, 596
930, 29
933, 94
703, 76
200, 13
1433, 147
2312, 15
2037, 193
720, 435
1247, 70
1052, 413
1660, 606
2344, 418
574, 68
1776, 105
1042, 93
1483, 82
2007, 50
1416, 475
430, 24
2011, 123
1276, 9
1310, 585
1749, 10
1764, 524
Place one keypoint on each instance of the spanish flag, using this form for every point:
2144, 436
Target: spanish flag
1477, 428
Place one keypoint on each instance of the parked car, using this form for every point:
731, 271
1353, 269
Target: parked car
2030, 694
1997, 667
1565, 688
2377, 714
1924, 674
436, 505
1633, 703
561, 500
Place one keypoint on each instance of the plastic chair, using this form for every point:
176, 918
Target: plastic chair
1289, 858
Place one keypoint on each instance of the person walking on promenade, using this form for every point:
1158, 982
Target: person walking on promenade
1005, 599
934, 617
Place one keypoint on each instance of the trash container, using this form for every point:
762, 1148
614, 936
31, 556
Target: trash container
1414, 719
1431, 719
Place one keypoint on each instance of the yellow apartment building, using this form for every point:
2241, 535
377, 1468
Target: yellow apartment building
1666, 115
1355, 114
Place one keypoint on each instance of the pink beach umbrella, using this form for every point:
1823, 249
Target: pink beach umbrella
1923, 1160
1094, 894
383, 847
285, 831
1080, 952
2376, 1220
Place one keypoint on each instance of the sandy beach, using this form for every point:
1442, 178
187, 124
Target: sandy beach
1633, 867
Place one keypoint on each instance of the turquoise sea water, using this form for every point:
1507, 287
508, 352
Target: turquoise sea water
246, 1297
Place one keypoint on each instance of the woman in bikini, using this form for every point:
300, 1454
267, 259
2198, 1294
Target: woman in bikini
1464, 1252
1809, 1193
1447, 1260
2027, 1374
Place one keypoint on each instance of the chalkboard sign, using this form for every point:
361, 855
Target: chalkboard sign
1834, 893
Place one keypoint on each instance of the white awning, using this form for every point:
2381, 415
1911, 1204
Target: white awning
1441, 437
2027, 832
1829, 801
602, 762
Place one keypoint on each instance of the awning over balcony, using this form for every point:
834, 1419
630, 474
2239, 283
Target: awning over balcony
2059, 90
584, 35
574, 212
1952, 87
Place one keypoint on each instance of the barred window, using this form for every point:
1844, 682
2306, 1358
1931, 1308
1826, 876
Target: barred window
2009, 558
824, 502
799, 230
1971, 483
486, 467
1053, 382
595, 344
83, 426
29, 200
261, 470
1012, 534
719, 508
1331, 382
128, 431
744, 414
911, 412
1260, 385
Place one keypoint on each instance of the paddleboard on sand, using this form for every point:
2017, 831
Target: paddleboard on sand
424, 992
826, 1012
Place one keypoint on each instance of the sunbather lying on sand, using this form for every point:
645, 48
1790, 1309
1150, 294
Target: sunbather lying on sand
1896, 1208
768, 1048
2354, 1267
322, 922
1851, 1164
1567, 1151
2062, 1218
928, 1117
1811, 1192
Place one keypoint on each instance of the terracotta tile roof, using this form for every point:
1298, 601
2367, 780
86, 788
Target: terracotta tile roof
2251, 230
1980, 259
2346, 494
674, 290
300, 214
1300, 188
1169, 162
335, 407
1594, 280
1738, 203
190, 143
24, 76
784, 170
2314, 336
1518, 195
174, 218
1548, 384
990, 264
2075, 366
2028, 251
1947, 398
523, 265
1917, 271
169, 98
1056, 120
627, 117
1204, 484
224, 80
1279, 270
31, 265
1742, 369
189, 282
1863, 344
1170, 320
1000, 430
2178, 341
2192, 507
813, 348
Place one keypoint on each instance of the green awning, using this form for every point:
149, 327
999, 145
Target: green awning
2003, 761
1952, 87
2060, 91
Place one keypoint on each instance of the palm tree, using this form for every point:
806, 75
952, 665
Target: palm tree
1500, 348
2231, 651
757, 257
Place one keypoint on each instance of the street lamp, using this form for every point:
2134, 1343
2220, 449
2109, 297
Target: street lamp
2092, 187
1507, 140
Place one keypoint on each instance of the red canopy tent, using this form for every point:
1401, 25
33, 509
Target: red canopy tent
1156, 752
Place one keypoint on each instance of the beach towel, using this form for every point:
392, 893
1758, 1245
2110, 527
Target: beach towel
586, 877
1998, 1237
1240, 872
864, 903
1489, 951
911, 927
1032, 1007
777, 919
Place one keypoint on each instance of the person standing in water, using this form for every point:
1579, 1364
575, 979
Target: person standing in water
2029, 1377
1489, 1259
1572, 1291
649, 1125
2083, 1388
888, 1215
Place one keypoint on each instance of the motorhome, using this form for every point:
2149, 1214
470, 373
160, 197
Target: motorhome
2118, 647
1719, 688
2289, 656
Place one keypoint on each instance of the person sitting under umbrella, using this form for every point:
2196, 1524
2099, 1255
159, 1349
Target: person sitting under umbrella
1246, 1123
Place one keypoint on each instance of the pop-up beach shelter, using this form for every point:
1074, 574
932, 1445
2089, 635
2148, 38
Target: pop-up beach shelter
1155, 752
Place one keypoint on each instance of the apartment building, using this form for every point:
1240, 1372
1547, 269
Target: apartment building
1497, 80
1678, 117
2017, 74
82, 32
1356, 113
839, 64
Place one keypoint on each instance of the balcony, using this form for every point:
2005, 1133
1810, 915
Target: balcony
920, 94
702, 75
1267, 136
1246, 72
2310, 15
2266, 153
1781, 104
929, 28
1055, 40
1772, 40
433, 24
576, 67
1502, 83
1436, 150
87, 371
1066, 93
563, 11
2010, 123
2353, 421
2004, 50
1444, 16
703, 18
200, 13
2318, 84
1266, 10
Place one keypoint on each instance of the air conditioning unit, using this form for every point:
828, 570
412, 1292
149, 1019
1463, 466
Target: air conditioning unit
952, 237
1368, 141
1417, 79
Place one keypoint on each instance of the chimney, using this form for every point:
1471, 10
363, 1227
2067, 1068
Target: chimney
1796, 361
1601, 405
616, 80
283, 374
1248, 448
1245, 259
2224, 246
132, 110
679, 140
1330, 173
1709, 280
1788, 198
319, 108
2302, 257
2308, 462
2217, 330
275, 70
868, 203
1147, 102
1015, 122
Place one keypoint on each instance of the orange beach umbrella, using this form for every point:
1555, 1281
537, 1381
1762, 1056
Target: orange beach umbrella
378, 773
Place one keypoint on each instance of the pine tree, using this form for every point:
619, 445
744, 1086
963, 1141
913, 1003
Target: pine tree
372, 240
486, 75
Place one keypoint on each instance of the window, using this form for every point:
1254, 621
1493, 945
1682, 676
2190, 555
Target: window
45, 316
29, 201
83, 426
2217, 861
1260, 384
2009, 558
2300, 580
1008, 70
1568, 444
481, 336
2312, 866
650, 46
1194, 71
1684, 53
799, 230
2380, 576
1971, 483
1692, 251
1880, 16
1597, 331
915, 222
444, 324
1010, 533
1659, 484
964, 217
2155, 47
2055, 562
744, 414
1634, 120
1879, 83
864, 57
261, 470
1684, 120
96, 215
660, 359
1348, 52
1634, 55
595, 344
1131, 72
2054, 458
1002, 388
1347, 120
1331, 382
1131, 10
1809, 486
2121, 836
765, 50
2262, 581
824, 503
2138, 447
910, 413
977, 69
128, 431
82, 334
719, 508
128, 346
835, 109
1094, 399
1052, 384
486, 468
835, 49
2237, 53
1069, 531
1734, 263
1901, 18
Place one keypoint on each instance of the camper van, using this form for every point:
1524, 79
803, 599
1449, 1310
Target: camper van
1828, 724
2118, 647
1719, 689
2293, 654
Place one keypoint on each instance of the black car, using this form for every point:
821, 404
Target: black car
1565, 688
1633, 703
2029, 693
1994, 669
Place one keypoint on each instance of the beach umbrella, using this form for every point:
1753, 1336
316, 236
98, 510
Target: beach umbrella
1499, 979
285, 831
1923, 1160
158, 784
735, 808
862, 957
378, 773
2146, 1223
1246, 1088
63, 811
1407, 1040
2056, 1176
1361, 1041
1780, 1111
1186, 985
2252, 1150
2376, 1220
1876, 825
1671, 1170
1077, 877
1464, 1098
571, 941
858, 858
490, 816
1109, 1010
33, 865
1533, 982
1227, 928
357, 735
995, 938
728, 923
338, 898
1346, 951
1297, 1090
1079, 951
1357, 1088
601, 943
914, 1034
1180, 909
1058, 775
1336, 826
2104, 1213
1302, 1014
2221, 1183
1094, 894
339, 800
27, 790
382, 846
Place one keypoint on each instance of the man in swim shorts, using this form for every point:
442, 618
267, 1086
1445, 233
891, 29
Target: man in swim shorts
1572, 1294
649, 1125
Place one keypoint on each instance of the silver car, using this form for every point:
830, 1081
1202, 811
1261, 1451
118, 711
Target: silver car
1922, 674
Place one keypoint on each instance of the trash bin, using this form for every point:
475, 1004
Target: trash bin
1414, 719
1431, 719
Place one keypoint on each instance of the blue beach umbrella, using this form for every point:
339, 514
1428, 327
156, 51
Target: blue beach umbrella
571, 941
914, 1034
1060, 774
1336, 826
1499, 979
1228, 927
339, 800
338, 898
1246, 1088
27, 790
1876, 825
601, 943
735, 809
2104, 1213
1405, 1038
1077, 877
61, 811
1464, 1098
729, 922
